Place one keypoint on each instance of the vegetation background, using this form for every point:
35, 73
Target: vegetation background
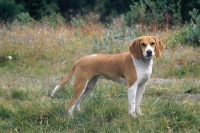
179, 9
41, 39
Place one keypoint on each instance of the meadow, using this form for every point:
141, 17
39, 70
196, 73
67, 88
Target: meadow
34, 58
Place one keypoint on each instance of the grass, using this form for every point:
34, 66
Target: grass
100, 113
41, 56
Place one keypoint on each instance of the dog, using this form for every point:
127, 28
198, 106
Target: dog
132, 68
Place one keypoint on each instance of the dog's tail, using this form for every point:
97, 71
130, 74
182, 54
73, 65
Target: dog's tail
64, 81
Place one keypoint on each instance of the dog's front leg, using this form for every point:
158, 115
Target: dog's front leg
139, 94
132, 100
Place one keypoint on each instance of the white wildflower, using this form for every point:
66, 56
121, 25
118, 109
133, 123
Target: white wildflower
10, 57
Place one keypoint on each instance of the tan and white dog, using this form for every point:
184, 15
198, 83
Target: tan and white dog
132, 68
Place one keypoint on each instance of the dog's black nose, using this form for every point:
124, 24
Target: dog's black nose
149, 53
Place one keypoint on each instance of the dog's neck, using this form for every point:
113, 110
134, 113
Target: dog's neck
143, 64
143, 69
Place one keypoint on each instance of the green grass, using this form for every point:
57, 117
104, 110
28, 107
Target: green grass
100, 112
42, 55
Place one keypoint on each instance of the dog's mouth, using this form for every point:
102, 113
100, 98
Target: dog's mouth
148, 57
148, 54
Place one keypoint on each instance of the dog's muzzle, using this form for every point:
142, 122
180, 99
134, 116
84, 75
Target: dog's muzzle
149, 53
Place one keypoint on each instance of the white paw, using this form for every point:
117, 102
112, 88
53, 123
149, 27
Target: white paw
70, 111
138, 111
78, 108
133, 114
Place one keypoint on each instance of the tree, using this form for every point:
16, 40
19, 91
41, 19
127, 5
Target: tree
9, 9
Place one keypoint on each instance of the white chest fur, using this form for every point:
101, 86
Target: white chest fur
143, 69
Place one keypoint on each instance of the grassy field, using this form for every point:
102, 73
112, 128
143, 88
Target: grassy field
33, 59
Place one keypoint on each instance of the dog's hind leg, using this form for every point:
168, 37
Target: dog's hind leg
90, 87
80, 85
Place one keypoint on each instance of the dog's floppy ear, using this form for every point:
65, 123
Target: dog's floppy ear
135, 49
159, 47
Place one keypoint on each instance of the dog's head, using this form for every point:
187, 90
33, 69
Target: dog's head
146, 47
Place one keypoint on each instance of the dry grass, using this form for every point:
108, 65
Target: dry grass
31, 47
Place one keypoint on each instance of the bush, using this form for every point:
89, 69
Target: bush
8, 9
21, 19
77, 22
189, 35
53, 20
24, 19
156, 13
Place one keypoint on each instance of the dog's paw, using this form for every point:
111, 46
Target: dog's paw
133, 114
138, 111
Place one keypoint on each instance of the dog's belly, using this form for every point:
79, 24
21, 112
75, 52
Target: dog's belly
119, 80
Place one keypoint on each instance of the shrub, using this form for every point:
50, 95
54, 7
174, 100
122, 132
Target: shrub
53, 20
21, 19
77, 22
189, 35
154, 13
8, 9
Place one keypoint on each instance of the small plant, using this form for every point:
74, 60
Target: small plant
23, 19
192, 88
77, 22
117, 91
53, 20
5, 112
19, 95
6, 59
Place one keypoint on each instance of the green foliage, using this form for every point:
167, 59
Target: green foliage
8, 9
23, 19
19, 94
36, 8
77, 22
154, 13
191, 88
112, 8
163, 113
148, 12
5, 113
9, 59
53, 20
174, 116
184, 70
189, 35
188, 6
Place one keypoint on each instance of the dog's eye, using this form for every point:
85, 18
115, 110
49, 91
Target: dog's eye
143, 44
152, 43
